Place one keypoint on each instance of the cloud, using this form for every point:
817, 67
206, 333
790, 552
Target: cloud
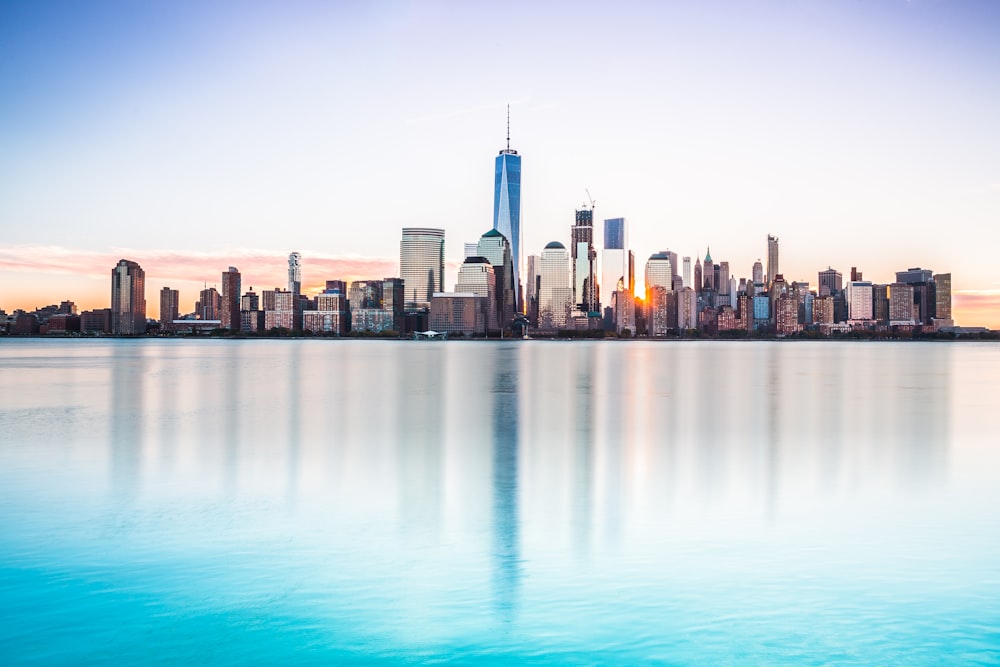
257, 266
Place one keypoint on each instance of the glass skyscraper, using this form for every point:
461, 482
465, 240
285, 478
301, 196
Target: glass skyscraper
507, 209
421, 264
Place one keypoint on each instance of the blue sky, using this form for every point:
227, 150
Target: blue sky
861, 133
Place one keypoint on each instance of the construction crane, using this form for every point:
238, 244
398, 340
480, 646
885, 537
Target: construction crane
592, 202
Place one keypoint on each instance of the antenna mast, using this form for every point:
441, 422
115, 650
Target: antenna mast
508, 127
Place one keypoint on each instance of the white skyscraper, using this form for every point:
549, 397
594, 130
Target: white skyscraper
421, 265
295, 273
555, 298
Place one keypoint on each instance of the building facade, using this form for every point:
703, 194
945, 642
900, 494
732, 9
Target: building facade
128, 299
555, 297
421, 264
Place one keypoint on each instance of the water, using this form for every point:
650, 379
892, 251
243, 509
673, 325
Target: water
297, 502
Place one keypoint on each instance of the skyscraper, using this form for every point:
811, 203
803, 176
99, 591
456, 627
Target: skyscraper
709, 270
169, 306
615, 274
128, 299
942, 282
583, 255
507, 207
659, 272
830, 282
496, 249
555, 296
687, 272
231, 291
421, 264
295, 274
772, 258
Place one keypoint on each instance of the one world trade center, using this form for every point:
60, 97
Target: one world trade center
507, 208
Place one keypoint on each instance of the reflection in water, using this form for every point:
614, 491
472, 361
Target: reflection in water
506, 521
129, 367
395, 500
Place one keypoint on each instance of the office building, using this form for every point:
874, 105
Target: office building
421, 264
830, 282
772, 259
659, 271
758, 273
916, 275
859, 301
458, 312
533, 276
687, 272
231, 291
507, 207
901, 311
555, 296
698, 282
584, 257
393, 302
494, 247
942, 289
708, 269
477, 276
128, 299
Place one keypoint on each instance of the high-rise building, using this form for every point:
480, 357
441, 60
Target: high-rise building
393, 301
916, 275
169, 306
687, 309
942, 285
128, 299
615, 265
901, 304
859, 300
471, 250
584, 256
687, 272
231, 290
698, 284
533, 275
251, 315
421, 264
496, 249
830, 282
295, 274
758, 273
772, 258
659, 272
507, 207
209, 304
708, 269
555, 298
477, 276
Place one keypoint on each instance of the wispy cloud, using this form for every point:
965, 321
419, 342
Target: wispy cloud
263, 267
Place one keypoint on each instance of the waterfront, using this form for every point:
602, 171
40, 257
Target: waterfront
320, 501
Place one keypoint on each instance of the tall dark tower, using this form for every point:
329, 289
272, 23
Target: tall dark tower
583, 257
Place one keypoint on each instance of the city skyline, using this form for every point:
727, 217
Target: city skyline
861, 136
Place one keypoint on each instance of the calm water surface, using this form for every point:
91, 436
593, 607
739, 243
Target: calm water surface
264, 502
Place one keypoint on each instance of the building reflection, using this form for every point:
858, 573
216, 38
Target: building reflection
129, 367
505, 420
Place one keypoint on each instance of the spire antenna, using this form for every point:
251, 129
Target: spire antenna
508, 127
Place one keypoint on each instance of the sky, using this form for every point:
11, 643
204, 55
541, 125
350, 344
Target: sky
194, 136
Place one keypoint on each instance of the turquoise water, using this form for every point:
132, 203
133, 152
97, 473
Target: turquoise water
297, 502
